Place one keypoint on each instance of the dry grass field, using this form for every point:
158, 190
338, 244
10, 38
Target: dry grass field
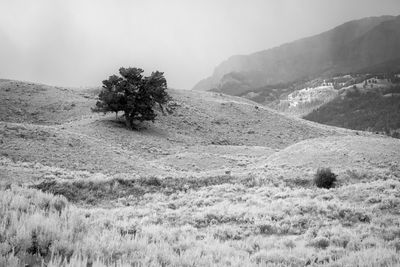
221, 182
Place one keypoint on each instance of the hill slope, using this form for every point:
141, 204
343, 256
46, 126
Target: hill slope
342, 154
374, 111
351, 47
38, 103
221, 182
208, 132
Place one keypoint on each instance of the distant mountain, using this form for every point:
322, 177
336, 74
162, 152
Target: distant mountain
351, 47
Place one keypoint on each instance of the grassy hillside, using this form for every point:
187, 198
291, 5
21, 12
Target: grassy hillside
372, 111
221, 182
208, 132
38, 103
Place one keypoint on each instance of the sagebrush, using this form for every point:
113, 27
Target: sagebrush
325, 178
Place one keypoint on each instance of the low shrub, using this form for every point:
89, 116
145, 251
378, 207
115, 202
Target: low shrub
325, 178
320, 242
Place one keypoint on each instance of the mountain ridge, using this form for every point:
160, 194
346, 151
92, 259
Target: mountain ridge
334, 51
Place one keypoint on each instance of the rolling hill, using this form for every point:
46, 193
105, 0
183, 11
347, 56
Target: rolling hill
209, 132
42, 104
222, 181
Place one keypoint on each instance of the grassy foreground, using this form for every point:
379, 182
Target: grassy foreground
265, 222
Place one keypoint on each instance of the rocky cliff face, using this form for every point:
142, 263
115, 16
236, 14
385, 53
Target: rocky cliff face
350, 47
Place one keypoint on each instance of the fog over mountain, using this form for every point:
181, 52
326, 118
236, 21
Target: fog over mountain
80, 43
358, 45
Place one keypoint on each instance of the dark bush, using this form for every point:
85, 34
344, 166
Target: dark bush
325, 178
150, 181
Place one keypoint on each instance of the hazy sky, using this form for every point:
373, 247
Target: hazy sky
82, 42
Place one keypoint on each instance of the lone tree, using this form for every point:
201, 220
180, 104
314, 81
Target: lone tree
134, 94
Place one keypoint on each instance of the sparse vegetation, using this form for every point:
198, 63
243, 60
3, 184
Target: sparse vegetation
103, 191
93, 193
265, 224
325, 178
133, 94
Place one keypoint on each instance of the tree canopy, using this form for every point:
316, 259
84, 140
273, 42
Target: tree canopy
134, 94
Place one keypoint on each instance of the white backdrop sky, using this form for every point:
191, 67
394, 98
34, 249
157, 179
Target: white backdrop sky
82, 42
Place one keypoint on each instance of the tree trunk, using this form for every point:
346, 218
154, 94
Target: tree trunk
128, 122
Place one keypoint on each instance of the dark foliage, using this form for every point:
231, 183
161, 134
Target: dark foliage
90, 192
325, 178
373, 111
134, 94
